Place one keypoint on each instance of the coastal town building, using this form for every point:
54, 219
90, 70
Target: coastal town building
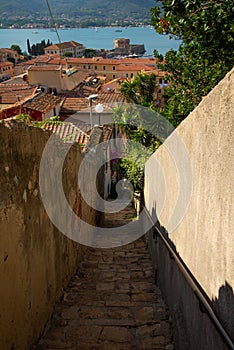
113, 68
6, 54
54, 78
79, 107
6, 71
108, 68
13, 93
72, 47
38, 106
122, 46
42, 106
73, 80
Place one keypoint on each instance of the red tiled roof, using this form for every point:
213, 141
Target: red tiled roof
64, 45
108, 100
6, 64
43, 59
72, 105
134, 67
5, 50
26, 63
112, 85
42, 102
45, 68
68, 132
58, 61
94, 60
139, 60
12, 93
12, 87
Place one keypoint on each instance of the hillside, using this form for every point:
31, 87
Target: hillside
79, 11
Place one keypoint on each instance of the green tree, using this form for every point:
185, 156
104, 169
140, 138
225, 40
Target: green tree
49, 43
38, 48
206, 29
134, 121
16, 48
67, 54
140, 89
28, 46
89, 53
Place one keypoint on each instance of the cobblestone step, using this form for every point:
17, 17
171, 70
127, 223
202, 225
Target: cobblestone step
111, 303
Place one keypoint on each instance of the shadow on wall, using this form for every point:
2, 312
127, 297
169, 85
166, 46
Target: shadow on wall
224, 308
188, 324
161, 228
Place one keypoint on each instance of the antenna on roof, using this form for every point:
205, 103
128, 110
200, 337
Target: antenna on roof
55, 27
53, 21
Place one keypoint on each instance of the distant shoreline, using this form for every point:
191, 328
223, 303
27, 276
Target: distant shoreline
68, 28
92, 37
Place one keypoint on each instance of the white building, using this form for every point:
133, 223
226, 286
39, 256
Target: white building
72, 47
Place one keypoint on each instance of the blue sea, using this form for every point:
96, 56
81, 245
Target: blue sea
96, 38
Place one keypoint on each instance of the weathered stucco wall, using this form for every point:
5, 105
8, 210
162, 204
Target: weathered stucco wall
36, 260
204, 235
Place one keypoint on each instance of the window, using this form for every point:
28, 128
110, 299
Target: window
131, 75
160, 81
126, 75
113, 67
84, 66
104, 67
95, 67
113, 76
89, 67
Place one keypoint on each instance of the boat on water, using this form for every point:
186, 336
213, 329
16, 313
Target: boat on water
118, 30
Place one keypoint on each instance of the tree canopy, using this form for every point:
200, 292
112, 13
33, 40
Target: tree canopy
140, 89
206, 29
38, 48
16, 48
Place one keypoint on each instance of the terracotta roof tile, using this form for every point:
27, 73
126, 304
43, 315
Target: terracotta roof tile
26, 63
6, 64
68, 132
42, 102
72, 105
45, 68
12, 93
134, 67
64, 45
112, 85
93, 60
107, 99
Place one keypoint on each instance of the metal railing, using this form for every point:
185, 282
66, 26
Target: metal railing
204, 303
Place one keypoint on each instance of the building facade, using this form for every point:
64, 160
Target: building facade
5, 54
6, 71
72, 47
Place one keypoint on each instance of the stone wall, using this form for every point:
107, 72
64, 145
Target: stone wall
193, 201
36, 259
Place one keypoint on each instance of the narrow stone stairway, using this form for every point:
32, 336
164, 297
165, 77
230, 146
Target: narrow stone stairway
112, 302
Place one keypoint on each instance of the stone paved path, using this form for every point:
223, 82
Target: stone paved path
111, 303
